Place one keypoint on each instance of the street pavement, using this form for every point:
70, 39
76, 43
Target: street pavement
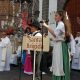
16, 74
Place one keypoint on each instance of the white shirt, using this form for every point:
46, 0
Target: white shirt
60, 29
36, 33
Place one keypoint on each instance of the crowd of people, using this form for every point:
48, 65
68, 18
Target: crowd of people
64, 54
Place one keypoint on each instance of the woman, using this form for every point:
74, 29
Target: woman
60, 60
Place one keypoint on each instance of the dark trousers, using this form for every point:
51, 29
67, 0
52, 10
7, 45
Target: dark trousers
43, 64
46, 60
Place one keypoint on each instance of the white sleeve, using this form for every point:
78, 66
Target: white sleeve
72, 43
60, 29
59, 32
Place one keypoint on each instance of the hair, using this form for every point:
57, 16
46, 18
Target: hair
27, 30
68, 30
67, 24
36, 25
61, 14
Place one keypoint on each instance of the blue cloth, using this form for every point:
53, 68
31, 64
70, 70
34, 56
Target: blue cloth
23, 56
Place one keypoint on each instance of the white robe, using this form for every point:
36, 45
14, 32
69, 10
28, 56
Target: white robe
76, 56
2, 55
71, 46
57, 62
5, 51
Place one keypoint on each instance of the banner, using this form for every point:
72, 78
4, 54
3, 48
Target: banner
35, 43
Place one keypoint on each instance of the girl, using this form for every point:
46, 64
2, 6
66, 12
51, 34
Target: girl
60, 60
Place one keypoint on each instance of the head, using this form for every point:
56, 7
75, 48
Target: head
28, 30
3, 33
59, 16
78, 34
35, 26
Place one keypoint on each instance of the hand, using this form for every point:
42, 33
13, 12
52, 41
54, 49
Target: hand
28, 36
45, 35
44, 24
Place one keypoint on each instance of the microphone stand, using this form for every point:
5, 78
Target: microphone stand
20, 63
42, 47
41, 22
20, 66
20, 58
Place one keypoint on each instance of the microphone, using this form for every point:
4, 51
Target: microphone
41, 21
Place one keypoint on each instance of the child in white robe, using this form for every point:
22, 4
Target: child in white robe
76, 56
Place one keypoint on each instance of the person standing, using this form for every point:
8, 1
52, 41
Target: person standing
35, 30
76, 56
60, 59
5, 49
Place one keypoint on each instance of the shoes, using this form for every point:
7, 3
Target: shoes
29, 73
43, 73
50, 68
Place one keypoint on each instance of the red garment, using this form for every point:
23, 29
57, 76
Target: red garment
28, 65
